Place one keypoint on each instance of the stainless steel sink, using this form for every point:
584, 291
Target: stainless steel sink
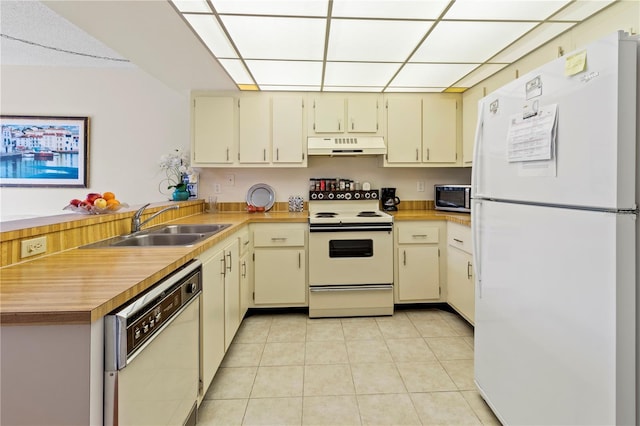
190, 229
164, 235
147, 240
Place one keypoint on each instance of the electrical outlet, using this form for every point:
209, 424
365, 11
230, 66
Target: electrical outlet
216, 188
33, 246
230, 180
420, 186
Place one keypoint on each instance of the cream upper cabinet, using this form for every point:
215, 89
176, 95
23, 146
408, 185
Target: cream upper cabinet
418, 261
439, 130
404, 130
461, 281
340, 114
255, 129
423, 130
214, 140
288, 131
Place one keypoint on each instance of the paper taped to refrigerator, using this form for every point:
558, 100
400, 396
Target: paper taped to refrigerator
532, 136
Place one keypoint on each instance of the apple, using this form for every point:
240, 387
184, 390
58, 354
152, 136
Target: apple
92, 196
75, 202
100, 203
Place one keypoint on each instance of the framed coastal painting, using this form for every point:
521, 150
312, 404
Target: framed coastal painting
42, 151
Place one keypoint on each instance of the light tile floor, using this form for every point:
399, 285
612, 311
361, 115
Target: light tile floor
413, 368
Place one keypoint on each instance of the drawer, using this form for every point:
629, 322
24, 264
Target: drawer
245, 241
278, 238
417, 234
459, 236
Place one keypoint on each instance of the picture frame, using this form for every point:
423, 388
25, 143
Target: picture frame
44, 151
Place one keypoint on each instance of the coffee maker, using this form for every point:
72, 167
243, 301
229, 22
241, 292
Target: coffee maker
389, 199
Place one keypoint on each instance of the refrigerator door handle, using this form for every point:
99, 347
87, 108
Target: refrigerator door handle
476, 150
476, 210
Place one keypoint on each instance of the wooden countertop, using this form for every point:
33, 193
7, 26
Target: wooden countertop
82, 285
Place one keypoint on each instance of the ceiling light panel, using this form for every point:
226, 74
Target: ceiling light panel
208, 29
273, 7
374, 40
277, 38
274, 87
359, 74
431, 75
389, 9
192, 6
286, 73
504, 9
534, 39
468, 41
580, 10
236, 71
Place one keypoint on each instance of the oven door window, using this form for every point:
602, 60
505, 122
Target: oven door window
350, 248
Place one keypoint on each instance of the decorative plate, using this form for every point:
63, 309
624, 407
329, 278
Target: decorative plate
261, 195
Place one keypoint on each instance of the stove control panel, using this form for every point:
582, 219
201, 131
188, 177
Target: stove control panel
344, 195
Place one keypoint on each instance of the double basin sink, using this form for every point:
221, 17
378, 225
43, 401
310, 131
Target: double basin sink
164, 235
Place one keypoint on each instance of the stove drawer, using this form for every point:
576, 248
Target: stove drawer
347, 300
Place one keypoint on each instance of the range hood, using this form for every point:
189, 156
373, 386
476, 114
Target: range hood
357, 145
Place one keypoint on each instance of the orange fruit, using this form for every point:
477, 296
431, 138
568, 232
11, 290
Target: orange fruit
109, 196
112, 204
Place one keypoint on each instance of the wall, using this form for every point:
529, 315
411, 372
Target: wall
134, 119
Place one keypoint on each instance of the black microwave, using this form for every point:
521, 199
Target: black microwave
454, 198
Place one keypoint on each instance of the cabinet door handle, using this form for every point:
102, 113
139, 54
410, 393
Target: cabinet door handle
229, 265
227, 154
264, 155
244, 269
427, 154
277, 154
417, 154
458, 241
339, 125
278, 238
299, 260
419, 235
469, 268
224, 266
352, 124
404, 257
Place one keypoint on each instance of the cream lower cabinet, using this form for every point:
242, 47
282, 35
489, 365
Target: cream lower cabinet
461, 282
246, 271
219, 306
418, 261
280, 264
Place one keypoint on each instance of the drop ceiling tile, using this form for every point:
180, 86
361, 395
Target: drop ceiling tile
389, 9
374, 40
504, 10
391, 89
581, 9
534, 39
468, 41
479, 74
431, 75
364, 89
273, 7
277, 38
236, 70
209, 31
270, 87
193, 6
359, 73
298, 73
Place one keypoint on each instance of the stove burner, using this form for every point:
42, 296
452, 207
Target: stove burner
326, 214
368, 214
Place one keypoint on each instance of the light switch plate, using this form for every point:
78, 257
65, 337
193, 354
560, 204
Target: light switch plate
420, 186
33, 246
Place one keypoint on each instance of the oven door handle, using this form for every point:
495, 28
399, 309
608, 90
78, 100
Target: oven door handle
374, 287
347, 228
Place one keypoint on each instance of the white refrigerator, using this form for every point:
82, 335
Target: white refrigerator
555, 234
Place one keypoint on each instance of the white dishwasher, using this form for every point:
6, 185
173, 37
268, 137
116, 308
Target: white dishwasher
151, 354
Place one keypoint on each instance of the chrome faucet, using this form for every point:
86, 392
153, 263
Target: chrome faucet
135, 220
